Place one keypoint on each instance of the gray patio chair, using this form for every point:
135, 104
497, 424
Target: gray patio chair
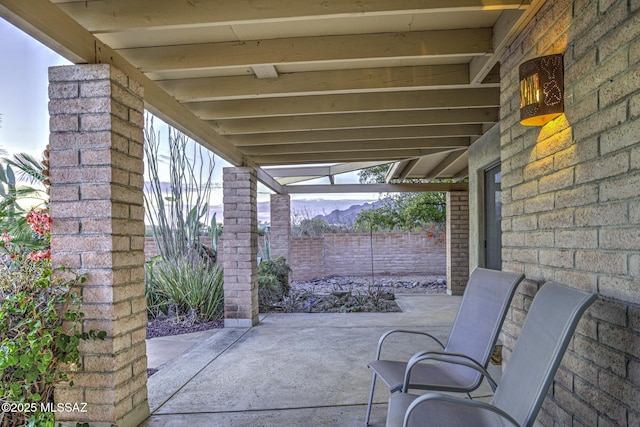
474, 333
546, 332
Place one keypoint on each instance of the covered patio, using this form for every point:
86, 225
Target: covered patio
292, 369
288, 91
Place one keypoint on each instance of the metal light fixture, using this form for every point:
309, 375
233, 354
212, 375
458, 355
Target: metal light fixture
541, 90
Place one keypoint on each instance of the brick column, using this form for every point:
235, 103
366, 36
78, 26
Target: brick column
240, 247
457, 241
96, 166
280, 233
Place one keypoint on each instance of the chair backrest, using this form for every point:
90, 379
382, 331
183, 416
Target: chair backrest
545, 335
483, 308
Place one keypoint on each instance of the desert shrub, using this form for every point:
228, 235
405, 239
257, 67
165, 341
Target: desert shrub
187, 286
273, 281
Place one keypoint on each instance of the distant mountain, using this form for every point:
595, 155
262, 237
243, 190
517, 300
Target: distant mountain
339, 211
347, 216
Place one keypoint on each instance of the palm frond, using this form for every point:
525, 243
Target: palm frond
30, 169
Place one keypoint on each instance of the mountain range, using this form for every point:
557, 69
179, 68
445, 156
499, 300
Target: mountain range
348, 215
334, 211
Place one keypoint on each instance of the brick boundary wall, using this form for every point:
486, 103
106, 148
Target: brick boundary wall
350, 254
571, 208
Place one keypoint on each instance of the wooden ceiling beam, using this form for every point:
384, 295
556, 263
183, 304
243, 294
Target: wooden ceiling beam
306, 171
443, 165
293, 179
265, 178
120, 15
378, 188
412, 44
344, 156
319, 83
334, 147
299, 171
359, 102
408, 168
372, 134
353, 166
51, 26
464, 173
505, 30
357, 120
393, 170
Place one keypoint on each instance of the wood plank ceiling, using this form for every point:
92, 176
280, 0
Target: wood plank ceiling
303, 82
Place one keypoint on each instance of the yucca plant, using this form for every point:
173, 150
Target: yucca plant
191, 284
156, 303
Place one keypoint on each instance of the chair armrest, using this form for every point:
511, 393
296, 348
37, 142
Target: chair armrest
446, 357
426, 398
404, 331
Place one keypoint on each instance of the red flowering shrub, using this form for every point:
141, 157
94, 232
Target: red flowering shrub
40, 222
40, 326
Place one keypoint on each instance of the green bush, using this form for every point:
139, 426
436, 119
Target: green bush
40, 323
273, 281
190, 284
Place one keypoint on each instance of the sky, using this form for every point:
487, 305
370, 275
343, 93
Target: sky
24, 118
24, 91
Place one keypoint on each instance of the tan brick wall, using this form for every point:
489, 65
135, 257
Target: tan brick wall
457, 241
307, 258
240, 246
97, 204
280, 233
571, 197
350, 255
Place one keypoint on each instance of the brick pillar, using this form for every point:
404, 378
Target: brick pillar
240, 247
280, 233
96, 166
457, 241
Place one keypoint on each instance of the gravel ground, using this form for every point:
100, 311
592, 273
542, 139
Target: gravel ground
163, 326
354, 293
415, 284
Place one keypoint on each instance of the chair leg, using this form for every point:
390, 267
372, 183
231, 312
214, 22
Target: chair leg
373, 385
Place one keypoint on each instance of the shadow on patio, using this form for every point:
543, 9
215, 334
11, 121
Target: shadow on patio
292, 369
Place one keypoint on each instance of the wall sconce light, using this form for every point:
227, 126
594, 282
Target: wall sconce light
541, 90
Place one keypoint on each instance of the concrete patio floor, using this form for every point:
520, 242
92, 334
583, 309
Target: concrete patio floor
291, 370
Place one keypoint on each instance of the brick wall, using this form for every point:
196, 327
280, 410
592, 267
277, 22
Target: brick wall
350, 254
571, 202
307, 258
